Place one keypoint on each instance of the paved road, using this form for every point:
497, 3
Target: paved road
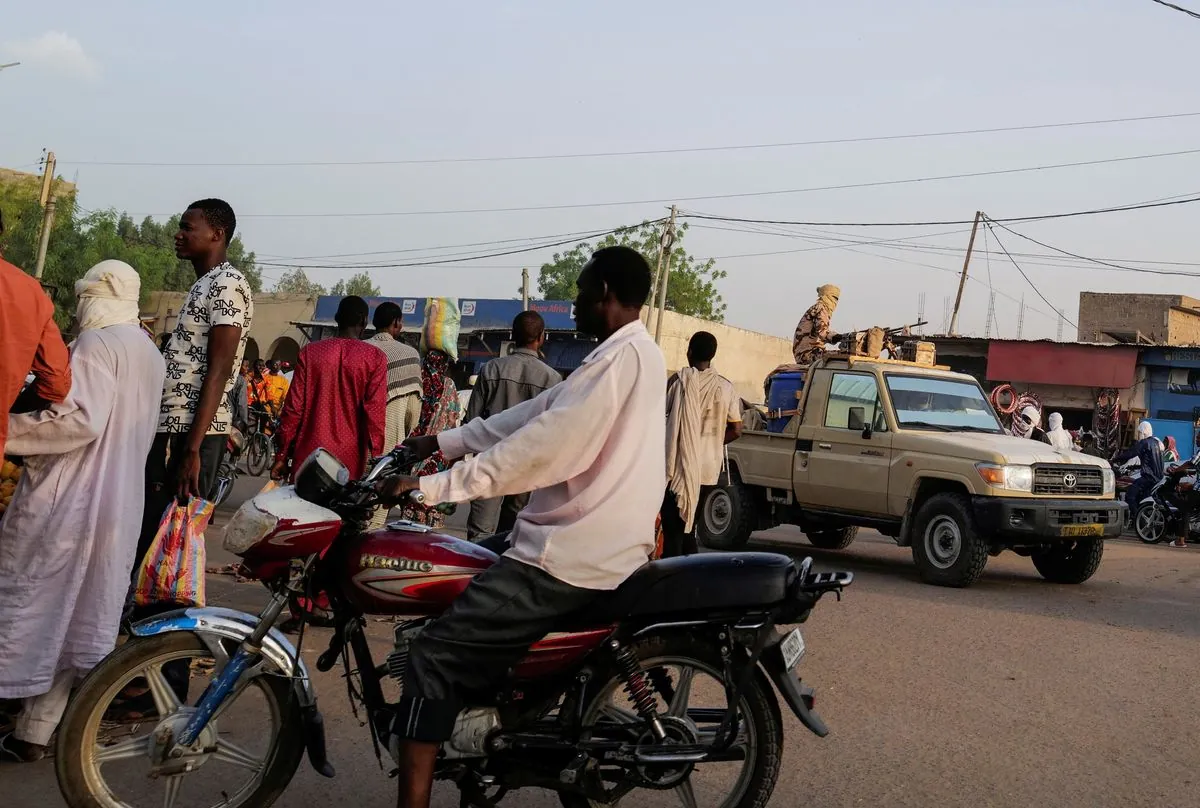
1011, 693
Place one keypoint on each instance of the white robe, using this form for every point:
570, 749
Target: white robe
68, 540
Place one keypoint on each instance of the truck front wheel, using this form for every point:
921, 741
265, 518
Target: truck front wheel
1071, 563
946, 547
726, 517
832, 538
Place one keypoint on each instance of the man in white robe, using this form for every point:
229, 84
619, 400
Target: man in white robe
68, 540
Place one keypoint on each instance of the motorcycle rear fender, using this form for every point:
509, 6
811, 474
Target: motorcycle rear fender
213, 623
797, 695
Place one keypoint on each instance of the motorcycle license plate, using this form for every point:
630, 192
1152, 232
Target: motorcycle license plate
1081, 530
792, 648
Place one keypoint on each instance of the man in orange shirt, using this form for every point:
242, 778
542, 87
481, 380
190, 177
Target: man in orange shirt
29, 342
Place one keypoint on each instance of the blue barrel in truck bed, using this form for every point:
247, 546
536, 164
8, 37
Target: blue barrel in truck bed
782, 396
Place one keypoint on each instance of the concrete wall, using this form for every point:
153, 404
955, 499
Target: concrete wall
272, 334
744, 357
1155, 316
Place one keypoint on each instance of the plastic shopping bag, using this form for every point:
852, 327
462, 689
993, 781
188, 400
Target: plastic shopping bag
440, 331
173, 570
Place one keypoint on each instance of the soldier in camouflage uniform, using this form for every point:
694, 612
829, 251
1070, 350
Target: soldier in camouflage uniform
812, 333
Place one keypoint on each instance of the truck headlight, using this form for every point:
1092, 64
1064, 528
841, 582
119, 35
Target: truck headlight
1011, 478
1110, 481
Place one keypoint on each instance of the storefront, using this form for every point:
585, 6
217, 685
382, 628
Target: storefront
1173, 393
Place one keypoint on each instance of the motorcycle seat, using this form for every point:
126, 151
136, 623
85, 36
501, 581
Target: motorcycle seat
706, 582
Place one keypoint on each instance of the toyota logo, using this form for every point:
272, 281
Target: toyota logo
1069, 480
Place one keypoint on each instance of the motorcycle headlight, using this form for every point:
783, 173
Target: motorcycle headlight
1010, 478
1110, 481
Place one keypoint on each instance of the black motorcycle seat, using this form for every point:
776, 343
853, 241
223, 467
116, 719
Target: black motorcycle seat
698, 583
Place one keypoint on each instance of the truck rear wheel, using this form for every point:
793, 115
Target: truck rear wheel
726, 517
946, 547
832, 538
1071, 563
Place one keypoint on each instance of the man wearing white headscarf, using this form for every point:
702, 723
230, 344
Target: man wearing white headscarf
1027, 424
68, 540
812, 332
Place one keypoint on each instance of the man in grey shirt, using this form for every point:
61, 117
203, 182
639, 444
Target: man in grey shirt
403, 383
504, 383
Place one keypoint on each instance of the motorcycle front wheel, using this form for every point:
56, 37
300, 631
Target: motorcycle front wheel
1150, 524
258, 454
687, 678
110, 756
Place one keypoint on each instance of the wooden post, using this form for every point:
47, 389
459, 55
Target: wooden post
962, 279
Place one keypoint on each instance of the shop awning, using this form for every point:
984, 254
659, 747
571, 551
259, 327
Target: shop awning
1061, 363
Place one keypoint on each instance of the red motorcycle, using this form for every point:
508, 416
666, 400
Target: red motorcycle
669, 683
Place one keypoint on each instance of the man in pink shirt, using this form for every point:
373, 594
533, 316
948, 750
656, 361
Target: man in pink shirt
593, 451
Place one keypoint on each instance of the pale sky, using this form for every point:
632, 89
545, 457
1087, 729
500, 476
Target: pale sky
357, 81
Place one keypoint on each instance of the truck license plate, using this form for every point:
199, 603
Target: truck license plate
1081, 530
792, 648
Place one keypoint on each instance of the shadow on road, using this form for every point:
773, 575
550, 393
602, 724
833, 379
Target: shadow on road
1149, 589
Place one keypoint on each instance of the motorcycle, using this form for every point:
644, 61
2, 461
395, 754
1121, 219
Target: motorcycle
1127, 474
1157, 514
673, 673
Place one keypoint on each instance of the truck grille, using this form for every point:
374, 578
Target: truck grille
1080, 481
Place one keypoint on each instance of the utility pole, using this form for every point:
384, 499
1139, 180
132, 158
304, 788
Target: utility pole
920, 313
991, 318
962, 279
1021, 317
525, 289
47, 200
664, 260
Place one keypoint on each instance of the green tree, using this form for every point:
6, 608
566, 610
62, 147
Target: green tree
297, 282
691, 289
361, 285
80, 240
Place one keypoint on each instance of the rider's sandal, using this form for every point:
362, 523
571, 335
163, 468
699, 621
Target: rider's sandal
10, 755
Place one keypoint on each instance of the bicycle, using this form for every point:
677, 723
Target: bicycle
260, 448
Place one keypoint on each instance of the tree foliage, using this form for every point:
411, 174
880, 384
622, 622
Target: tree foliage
691, 288
81, 239
361, 285
297, 282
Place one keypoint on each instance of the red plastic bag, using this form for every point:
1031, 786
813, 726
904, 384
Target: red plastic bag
173, 570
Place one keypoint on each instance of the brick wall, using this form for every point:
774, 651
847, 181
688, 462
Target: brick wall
1153, 315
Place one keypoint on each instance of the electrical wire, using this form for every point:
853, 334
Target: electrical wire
637, 152
1186, 11
1032, 285
745, 195
1166, 202
1099, 262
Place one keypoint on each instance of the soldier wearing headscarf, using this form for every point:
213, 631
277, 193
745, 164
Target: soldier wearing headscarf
812, 332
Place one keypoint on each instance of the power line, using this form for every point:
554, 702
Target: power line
1192, 197
1032, 286
637, 152
447, 260
1101, 263
1186, 11
742, 195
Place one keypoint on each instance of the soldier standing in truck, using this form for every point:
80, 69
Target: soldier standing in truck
813, 330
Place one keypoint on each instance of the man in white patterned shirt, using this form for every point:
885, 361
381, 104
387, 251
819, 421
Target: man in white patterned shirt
201, 355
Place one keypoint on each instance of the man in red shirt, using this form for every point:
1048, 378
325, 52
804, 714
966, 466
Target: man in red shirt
338, 398
29, 343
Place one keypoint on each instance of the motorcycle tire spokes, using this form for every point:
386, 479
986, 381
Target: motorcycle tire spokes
691, 712
115, 751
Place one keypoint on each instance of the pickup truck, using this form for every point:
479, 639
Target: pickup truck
918, 453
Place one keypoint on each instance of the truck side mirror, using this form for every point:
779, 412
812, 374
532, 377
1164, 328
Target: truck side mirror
856, 418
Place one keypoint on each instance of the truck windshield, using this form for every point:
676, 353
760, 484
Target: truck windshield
922, 402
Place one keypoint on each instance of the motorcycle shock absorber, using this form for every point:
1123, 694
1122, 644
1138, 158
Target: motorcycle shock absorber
634, 681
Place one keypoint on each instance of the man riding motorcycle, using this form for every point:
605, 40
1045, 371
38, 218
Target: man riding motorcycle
592, 450
1148, 451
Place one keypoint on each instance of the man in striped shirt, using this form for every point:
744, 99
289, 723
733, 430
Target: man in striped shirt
403, 383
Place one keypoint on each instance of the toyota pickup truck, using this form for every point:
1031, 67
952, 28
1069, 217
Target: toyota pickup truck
916, 452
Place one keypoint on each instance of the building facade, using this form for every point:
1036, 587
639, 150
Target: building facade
1139, 319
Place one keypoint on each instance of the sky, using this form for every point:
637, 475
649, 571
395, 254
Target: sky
302, 82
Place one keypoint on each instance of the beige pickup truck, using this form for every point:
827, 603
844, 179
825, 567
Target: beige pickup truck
916, 452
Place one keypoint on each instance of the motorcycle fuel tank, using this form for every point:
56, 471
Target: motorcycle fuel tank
410, 569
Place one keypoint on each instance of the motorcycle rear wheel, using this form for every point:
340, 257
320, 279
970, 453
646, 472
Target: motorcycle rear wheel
82, 753
760, 731
258, 454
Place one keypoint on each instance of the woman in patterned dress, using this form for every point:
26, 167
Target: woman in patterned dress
440, 410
